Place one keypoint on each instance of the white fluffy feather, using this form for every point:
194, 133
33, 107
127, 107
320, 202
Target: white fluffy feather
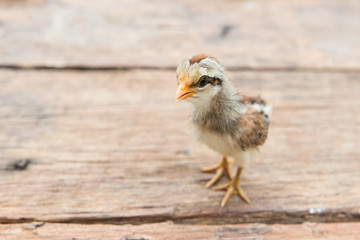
223, 145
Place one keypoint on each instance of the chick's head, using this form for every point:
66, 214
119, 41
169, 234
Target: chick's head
199, 79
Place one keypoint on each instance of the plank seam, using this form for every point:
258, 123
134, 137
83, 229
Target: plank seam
173, 68
208, 219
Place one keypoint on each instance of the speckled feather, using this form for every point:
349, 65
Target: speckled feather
249, 130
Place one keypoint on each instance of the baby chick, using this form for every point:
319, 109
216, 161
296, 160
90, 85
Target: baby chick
230, 124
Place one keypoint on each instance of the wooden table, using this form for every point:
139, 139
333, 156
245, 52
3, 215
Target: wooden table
93, 146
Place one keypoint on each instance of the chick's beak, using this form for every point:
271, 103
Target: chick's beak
183, 92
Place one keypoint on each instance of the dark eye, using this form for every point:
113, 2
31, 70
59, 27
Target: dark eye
203, 81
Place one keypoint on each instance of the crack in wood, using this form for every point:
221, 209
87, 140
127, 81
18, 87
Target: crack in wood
209, 219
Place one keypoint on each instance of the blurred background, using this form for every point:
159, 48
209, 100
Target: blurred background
93, 146
242, 34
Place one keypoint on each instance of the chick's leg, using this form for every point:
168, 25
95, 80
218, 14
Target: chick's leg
221, 169
233, 187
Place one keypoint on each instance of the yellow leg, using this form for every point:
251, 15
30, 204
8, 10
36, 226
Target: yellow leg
221, 169
232, 187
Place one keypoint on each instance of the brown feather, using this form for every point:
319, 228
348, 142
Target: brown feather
197, 58
214, 81
252, 129
252, 100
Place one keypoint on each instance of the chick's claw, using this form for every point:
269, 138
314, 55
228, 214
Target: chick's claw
233, 187
221, 169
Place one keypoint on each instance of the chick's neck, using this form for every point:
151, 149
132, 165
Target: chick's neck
220, 112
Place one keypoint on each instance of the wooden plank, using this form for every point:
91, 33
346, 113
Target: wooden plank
246, 34
168, 230
114, 147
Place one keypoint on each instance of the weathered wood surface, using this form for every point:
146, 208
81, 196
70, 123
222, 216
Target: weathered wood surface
168, 230
244, 34
114, 147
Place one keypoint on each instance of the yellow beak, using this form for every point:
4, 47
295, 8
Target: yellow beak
183, 92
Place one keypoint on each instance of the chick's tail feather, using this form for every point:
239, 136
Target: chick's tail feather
260, 105
267, 109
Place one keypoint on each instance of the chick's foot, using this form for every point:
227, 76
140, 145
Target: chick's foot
233, 187
221, 169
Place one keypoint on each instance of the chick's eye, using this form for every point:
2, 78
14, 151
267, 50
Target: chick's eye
203, 81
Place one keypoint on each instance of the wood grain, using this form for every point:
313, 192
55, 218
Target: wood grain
168, 230
241, 34
114, 147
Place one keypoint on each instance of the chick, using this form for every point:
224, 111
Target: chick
231, 124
